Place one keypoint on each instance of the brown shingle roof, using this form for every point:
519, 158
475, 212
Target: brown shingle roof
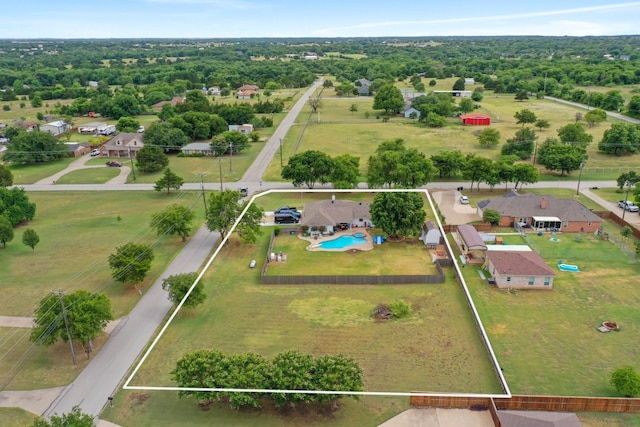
529, 205
527, 263
471, 237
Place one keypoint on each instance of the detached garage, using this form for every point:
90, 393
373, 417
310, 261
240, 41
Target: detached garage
475, 120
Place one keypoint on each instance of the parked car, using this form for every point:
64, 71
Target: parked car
114, 164
286, 218
95, 152
628, 206
141, 129
288, 210
464, 200
244, 191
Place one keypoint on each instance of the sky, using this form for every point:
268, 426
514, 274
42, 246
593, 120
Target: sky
33, 19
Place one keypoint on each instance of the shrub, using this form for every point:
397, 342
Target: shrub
626, 381
400, 309
277, 231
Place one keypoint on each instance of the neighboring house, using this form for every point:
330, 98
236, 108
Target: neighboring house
215, 91
456, 93
469, 81
246, 94
625, 57
92, 83
473, 248
543, 213
28, 126
77, 149
92, 128
475, 120
245, 129
336, 215
174, 101
431, 235
363, 86
55, 128
203, 148
518, 268
410, 112
311, 56
123, 145
248, 87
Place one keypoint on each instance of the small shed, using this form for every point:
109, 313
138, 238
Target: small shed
475, 120
471, 244
431, 235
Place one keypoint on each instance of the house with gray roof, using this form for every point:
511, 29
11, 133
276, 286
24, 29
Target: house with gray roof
203, 148
431, 235
543, 213
55, 128
123, 145
336, 215
363, 86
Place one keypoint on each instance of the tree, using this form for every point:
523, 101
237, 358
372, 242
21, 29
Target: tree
627, 178
169, 181
633, 108
542, 124
522, 144
621, 137
249, 228
353, 108
448, 163
6, 231
466, 106
315, 104
388, 98
489, 137
491, 216
578, 116
524, 173
308, 167
223, 209
336, 373
346, 170
575, 134
434, 120
626, 381
174, 219
229, 142
131, 263
398, 214
30, 238
15, 205
626, 231
34, 147
87, 314
291, 370
522, 95
202, 369
165, 135
178, 285
476, 169
127, 124
458, 84
395, 165
6, 177
525, 117
557, 156
151, 158
36, 101
594, 117
75, 418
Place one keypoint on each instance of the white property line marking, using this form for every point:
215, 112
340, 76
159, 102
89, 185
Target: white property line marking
488, 346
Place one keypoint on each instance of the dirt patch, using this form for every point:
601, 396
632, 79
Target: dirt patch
138, 398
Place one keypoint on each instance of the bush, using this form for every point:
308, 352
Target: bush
277, 231
626, 381
400, 309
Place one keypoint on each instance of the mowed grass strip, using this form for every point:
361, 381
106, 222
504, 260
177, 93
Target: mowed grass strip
78, 231
546, 341
435, 349
89, 176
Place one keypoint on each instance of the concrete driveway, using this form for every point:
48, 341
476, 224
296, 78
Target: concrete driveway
453, 211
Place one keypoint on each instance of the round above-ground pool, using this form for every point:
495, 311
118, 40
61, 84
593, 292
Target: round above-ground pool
343, 241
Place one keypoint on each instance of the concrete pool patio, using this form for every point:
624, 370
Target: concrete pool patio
317, 239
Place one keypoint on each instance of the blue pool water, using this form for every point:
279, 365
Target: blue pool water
343, 241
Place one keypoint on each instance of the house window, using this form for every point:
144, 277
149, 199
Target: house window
589, 223
531, 280
566, 224
508, 278
547, 281
135, 142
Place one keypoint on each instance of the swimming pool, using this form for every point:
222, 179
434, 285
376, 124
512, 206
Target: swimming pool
343, 241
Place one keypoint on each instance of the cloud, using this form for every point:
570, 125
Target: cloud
224, 4
336, 31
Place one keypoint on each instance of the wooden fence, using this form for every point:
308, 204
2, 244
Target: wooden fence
533, 403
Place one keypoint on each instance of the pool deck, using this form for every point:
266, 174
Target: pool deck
315, 241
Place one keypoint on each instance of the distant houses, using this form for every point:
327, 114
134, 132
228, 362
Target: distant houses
123, 145
247, 91
55, 128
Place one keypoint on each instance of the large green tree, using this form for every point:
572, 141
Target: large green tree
34, 147
308, 167
345, 172
489, 137
388, 98
620, 138
87, 314
566, 158
594, 117
15, 205
229, 142
174, 219
394, 165
131, 263
448, 163
574, 134
169, 181
151, 158
524, 173
6, 177
525, 117
223, 209
178, 285
398, 214
127, 124
6, 231
522, 144
249, 228
166, 135
75, 418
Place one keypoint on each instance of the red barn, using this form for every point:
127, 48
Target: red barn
475, 120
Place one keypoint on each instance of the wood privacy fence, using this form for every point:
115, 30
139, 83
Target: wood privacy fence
533, 403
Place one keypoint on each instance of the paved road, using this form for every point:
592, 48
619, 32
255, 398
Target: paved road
587, 107
103, 375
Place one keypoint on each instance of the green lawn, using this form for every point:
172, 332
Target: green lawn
15, 417
547, 342
29, 174
89, 176
421, 352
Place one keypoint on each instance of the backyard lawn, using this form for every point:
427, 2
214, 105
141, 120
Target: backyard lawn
546, 341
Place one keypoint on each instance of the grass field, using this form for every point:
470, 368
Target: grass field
28, 174
547, 342
89, 176
15, 417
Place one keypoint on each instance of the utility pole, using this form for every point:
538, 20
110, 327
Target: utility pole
133, 170
579, 179
66, 325
204, 198
220, 166
280, 155
230, 157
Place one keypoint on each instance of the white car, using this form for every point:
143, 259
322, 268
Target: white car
141, 129
95, 152
464, 200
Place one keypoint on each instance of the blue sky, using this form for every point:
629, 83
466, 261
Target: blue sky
328, 18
